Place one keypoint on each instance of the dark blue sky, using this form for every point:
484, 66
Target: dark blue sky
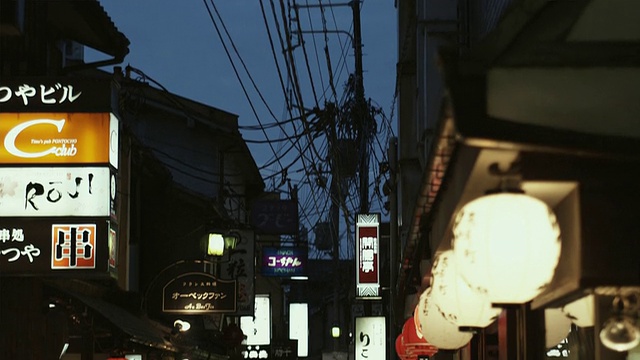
177, 44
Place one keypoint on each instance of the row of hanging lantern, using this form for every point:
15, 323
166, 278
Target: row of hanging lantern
504, 251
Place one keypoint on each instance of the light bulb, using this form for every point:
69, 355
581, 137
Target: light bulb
620, 333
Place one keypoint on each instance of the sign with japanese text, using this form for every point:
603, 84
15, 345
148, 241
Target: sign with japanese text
280, 349
55, 191
73, 246
275, 216
46, 246
59, 138
367, 254
284, 349
241, 268
57, 94
199, 293
370, 338
284, 261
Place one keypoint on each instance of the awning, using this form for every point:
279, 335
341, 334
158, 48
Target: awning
141, 330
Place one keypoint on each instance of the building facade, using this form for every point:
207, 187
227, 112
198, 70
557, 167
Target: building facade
541, 90
110, 185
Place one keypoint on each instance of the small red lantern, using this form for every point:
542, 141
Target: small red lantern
415, 344
400, 349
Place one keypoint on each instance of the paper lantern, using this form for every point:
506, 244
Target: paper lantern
455, 299
507, 245
400, 348
557, 326
581, 311
415, 344
437, 330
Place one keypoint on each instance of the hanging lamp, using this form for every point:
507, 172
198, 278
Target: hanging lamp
455, 299
506, 243
437, 330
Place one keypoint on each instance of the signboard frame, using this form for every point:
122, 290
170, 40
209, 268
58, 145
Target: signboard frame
367, 256
209, 294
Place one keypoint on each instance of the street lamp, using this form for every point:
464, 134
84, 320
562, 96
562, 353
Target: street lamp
218, 242
335, 331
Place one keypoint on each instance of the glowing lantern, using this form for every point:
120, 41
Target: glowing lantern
455, 299
400, 348
507, 245
414, 343
437, 330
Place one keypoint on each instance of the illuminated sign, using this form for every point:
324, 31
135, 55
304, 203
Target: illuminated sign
199, 293
299, 326
45, 246
367, 254
370, 338
283, 261
257, 328
55, 191
71, 94
73, 246
113, 251
59, 138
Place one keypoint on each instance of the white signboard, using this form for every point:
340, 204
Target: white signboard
299, 326
371, 338
55, 191
258, 327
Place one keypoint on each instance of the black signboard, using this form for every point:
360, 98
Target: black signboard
276, 217
54, 246
284, 349
56, 94
199, 293
280, 349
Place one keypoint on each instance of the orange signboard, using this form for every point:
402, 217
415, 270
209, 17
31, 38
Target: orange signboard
53, 138
73, 246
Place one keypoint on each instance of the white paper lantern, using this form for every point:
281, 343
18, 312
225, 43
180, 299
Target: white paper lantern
557, 326
437, 330
507, 245
455, 299
581, 311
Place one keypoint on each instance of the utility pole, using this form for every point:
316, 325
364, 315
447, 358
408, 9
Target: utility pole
361, 119
361, 111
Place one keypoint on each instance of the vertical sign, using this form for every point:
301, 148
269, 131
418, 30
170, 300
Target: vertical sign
299, 326
241, 268
258, 327
367, 255
371, 338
